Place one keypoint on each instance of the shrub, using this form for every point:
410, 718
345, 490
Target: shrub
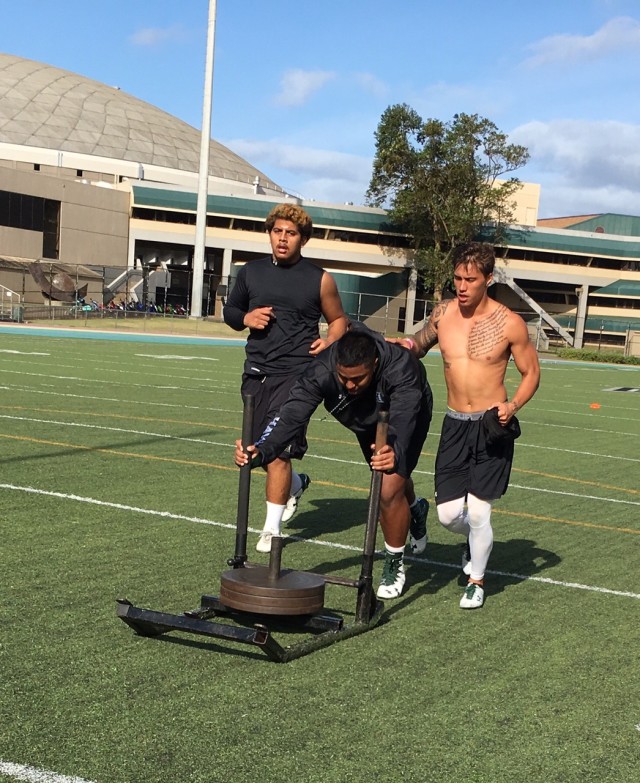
608, 357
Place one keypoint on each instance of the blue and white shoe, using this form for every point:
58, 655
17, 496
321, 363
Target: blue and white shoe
418, 527
292, 504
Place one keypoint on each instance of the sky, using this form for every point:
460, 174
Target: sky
299, 88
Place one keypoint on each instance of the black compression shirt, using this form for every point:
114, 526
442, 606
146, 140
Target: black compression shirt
294, 293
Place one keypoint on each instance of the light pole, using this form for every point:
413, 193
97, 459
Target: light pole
203, 174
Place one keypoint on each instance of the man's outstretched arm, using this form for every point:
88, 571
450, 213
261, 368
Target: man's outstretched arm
427, 337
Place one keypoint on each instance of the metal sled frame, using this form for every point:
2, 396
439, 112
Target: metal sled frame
326, 628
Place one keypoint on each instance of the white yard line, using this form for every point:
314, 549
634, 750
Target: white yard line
208, 388
34, 775
315, 542
146, 433
144, 402
575, 451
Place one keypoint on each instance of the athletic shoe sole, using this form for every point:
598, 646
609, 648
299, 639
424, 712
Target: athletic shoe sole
292, 504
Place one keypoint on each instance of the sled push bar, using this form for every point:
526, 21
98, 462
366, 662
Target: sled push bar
256, 601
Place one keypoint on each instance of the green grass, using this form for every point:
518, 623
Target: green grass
128, 456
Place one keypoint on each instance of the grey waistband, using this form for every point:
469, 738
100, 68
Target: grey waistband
465, 416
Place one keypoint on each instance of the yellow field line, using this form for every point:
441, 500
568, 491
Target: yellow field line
540, 518
577, 481
175, 460
524, 471
237, 429
336, 441
116, 452
331, 484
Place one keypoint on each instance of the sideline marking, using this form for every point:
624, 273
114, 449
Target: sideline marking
314, 542
35, 775
60, 332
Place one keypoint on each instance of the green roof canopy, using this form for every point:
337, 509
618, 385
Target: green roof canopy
254, 209
629, 288
562, 240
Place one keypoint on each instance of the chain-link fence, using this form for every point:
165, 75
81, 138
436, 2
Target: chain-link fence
49, 291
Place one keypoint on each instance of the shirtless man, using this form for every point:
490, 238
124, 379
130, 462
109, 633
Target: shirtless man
477, 336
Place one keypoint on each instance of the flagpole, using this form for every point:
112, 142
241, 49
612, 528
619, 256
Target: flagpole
203, 174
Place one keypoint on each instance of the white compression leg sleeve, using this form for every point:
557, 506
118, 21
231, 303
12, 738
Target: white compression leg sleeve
480, 535
453, 516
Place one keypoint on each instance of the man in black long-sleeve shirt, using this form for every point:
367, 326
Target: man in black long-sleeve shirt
356, 377
281, 299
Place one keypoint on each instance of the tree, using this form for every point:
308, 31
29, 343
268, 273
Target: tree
441, 183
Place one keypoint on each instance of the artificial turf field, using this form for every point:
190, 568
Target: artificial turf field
117, 481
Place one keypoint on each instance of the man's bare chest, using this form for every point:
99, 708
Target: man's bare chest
469, 339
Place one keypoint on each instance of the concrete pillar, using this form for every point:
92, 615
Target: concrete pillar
409, 318
227, 254
581, 315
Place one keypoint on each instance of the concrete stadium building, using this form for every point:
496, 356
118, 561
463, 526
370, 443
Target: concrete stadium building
98, 198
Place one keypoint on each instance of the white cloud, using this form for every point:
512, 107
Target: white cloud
584, 166
154, 36
561, 200
444, 99
593, 153
613, 37
313, 173
297, 85
370, 83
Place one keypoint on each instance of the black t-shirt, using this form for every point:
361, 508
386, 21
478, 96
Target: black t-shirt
294, 293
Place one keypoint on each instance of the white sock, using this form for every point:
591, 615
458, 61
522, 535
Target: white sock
296, 483
273, 520
394, 550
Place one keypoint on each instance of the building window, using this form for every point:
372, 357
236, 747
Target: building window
32, 213
51, 229
18, 210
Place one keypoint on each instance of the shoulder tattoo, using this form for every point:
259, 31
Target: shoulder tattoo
427, 337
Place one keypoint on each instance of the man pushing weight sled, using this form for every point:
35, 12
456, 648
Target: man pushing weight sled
355, 377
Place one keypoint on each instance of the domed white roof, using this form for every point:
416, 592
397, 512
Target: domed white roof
43, 106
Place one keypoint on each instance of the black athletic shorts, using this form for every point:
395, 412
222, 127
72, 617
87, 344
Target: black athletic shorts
464, 463
406, 465
269, 394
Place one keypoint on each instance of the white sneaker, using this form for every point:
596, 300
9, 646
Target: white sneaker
264, 542
473, 596
292, 504
466, 559
393, 576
